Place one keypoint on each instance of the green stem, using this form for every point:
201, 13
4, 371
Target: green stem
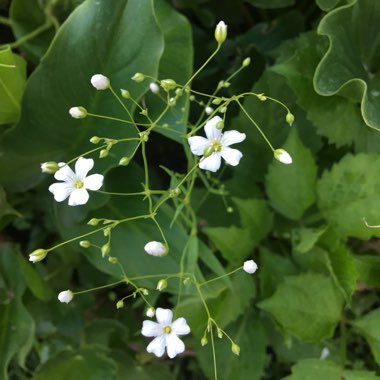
218, 278
5, 21
99, 287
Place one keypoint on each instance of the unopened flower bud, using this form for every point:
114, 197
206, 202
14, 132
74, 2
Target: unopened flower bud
66, 296
144, 291
93, 222
209, 110
172, 102
124, 161
191, 98
78, 112
217, 101
162, 284
138, 77
85, 243
209, 150
150, 312
103, 153
120, 304
38, 255
220, 333
262, 97
49, 167
94, 140
223, 110
230, 210
105, 249
220, 124
250, 266
221, 32
112, 260
179, 91
100, 82
204, 340
154, 87
156, 248
289, 118
168, 84
175, 192
235, 349
283, 156
246, 62
144, 112
125, 93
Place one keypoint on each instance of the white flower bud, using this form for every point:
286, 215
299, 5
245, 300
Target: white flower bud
283, 156
85, 243
154, 87
78, 112
66, 296
38, 255
156, 248
100, 82
250, 266
221, 32
161, 285
49, 167
150, 312
209, 110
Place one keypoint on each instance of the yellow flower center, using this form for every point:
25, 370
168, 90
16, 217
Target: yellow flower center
216, 146
167, 329
78, 184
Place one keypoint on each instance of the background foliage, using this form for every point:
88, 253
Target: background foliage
319, 266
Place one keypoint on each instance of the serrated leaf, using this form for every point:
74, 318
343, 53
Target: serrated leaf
308, 306
348, 193
291, 188
351, 64
368, 326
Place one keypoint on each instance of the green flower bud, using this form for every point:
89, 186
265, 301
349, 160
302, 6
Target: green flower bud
174, 192
144, 136
168, 84
235, 349
223, 110
138, 77
208, 151
179, 91
220, 124
85, 243
105, 249
120, 304
94, 139
125, 93
204, 341
289, 118
246, 62
112, 260
93, 222
144, 291
262, 97
38, 255
103, 153
221, 32
217, 101
49, 167
124, 161
172, 102
162, 284
220, 333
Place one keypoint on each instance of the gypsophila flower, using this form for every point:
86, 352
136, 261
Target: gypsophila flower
78, 112
283, 156
66, 296
154, 87
75, 185
100, 82
216, 146
156, 248
165, 333
250, 266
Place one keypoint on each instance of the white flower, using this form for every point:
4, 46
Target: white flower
221, 32
154, 87
283, 156
156, 248
250, 266
78, 112
75, 185
100, 82
66, 296
216, 146
165, 333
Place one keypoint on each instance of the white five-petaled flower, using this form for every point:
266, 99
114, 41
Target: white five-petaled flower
100, 82
250, 266
66, 296
165, 333
75, 185
216, 146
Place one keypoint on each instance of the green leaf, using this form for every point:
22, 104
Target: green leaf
368, 267
348, 193
269, 4
351, 64
368, 326
304, 239
315, 369
12, 80
291, 188
16, 324
360, 375
308, 306
113, 38
87, 362
327, 5
6, 211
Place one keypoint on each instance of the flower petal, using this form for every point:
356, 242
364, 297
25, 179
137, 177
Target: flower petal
232, 156
198, 145
164, 316
78, 197
211, 163
210, 128
64, 174
174, 345
151, 328
157, 346
180, 327
232, 137
83, 166
93, 182
61, 190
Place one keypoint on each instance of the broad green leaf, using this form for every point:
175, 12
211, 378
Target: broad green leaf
12, 80
87, 362
256, 216
304, 239
16, 324
368, 267
351, 64
308, 306
348, 193
115, 38
368, 326
335, 117
359, 375
248, 332
315, 369
269, 4
327, 5
291, 188
105, 333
